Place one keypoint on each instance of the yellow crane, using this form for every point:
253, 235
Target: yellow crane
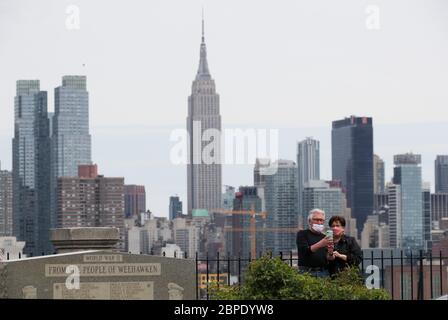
253, 252
252, 226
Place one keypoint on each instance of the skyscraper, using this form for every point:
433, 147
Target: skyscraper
240, 241
175, 208
378, 175
203, 122
5, 203
394, 198
31, 168
352, 163
91, 200
408, 175
427, 222
70, 141
441, 174
227, 198
375, 233
381, 201
439, 206
260, 179
308, 165
187, 235
281, 205
134, 200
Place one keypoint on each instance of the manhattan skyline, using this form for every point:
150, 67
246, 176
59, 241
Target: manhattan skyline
363, 76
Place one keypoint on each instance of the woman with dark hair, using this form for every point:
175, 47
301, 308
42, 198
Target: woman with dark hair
345, 251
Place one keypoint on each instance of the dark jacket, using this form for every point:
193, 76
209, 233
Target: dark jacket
349, 247
307, 258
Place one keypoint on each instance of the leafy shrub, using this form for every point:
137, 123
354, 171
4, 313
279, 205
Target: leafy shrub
272, 279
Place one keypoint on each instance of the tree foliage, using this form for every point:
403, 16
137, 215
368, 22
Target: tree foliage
272, 279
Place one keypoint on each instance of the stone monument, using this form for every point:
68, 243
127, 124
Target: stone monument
77, 272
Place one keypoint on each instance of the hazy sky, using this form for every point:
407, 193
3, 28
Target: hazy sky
286, 64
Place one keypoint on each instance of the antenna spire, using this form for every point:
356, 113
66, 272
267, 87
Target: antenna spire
203, 72
203, 32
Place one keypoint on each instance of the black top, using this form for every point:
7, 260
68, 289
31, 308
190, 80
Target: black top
347, 246
307, 258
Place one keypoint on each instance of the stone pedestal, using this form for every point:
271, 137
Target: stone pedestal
82, 239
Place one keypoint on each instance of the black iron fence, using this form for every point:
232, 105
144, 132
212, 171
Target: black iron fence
405, 275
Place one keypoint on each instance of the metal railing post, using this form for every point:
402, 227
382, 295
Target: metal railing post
412, 277
382, 269
440, 273
217, 267
228, 268
420, 278
430, 274
197, 276
401, 276
392, 272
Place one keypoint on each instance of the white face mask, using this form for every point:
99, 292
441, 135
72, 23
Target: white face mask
318, 227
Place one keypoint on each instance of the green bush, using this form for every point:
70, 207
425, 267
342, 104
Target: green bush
272, 279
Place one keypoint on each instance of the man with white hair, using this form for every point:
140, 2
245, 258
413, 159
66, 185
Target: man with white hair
312, 245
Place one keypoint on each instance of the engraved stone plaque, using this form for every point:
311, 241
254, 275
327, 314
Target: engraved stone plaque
106, 291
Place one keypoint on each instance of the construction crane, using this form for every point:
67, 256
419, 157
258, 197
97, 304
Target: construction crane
252, 226
253, 252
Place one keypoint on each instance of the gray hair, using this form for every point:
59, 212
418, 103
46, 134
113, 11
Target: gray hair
312, 212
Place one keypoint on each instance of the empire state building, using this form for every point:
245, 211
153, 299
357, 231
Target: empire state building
204, 148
